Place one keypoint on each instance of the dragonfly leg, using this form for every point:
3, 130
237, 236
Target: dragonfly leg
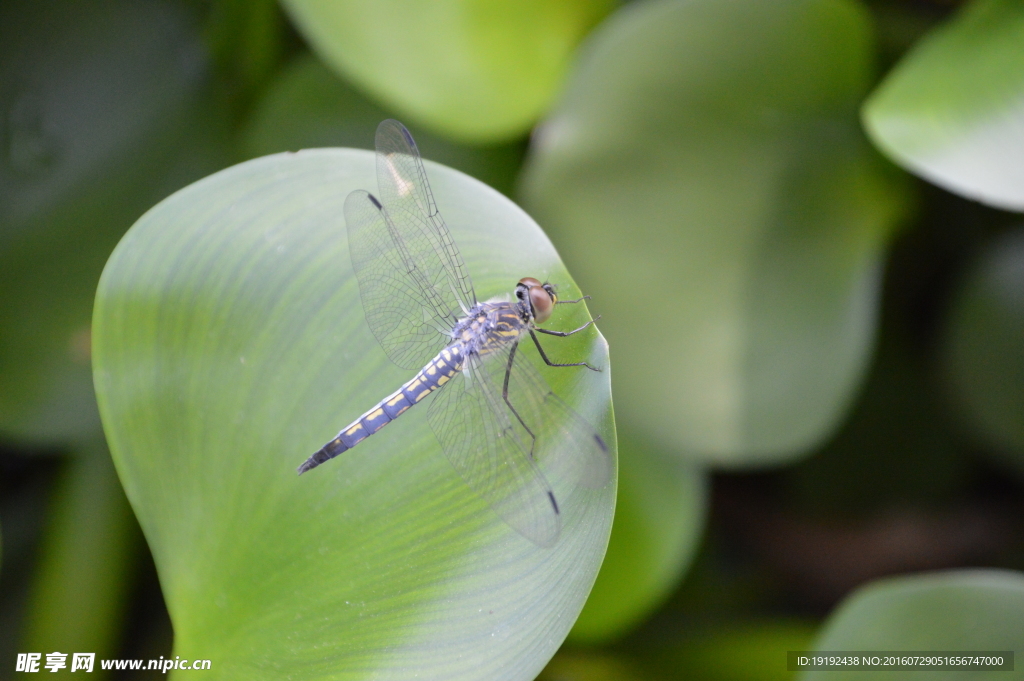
563, 334
504, 396
559, 333
567, 302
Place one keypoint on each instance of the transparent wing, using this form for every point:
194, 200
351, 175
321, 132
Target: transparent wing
566, 445
401, 316
491, 450
411, 277
406, 196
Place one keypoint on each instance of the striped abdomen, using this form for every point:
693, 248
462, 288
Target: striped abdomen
431, 377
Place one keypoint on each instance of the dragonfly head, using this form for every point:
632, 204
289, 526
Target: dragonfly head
538, 298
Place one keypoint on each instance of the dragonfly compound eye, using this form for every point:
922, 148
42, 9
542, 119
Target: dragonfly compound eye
542, 303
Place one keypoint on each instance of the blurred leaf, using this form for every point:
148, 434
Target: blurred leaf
984, 347
102, 115
706, 177
245, 41
229, 344
951, 109
739, 651
716, 588
952, 611
659, 519
899, 25
25, 487
591, 665
84, 574
308, 106
474, 70
895, 450
747, 651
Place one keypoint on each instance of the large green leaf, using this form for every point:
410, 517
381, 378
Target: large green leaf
659, 520
475, 70
951, 109
984, 347
229, 344
103, 114
943, 611
707, 180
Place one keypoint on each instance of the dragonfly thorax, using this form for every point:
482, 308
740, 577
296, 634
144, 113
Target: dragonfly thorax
490, 326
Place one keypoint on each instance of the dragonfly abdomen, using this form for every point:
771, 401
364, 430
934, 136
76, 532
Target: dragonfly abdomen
435, 374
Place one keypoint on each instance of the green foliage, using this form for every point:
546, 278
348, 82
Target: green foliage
951, 611
245, 41
735, 652
229, 344
951, 109
894, 450
104, 110
589, 665
90, 144
701, 166
307, 106
748, 652
475, 70
984, 347
706, 167
77, 601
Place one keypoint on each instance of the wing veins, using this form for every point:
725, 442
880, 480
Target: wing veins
476, 432
417, 273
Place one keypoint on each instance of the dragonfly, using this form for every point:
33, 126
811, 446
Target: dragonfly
493, 414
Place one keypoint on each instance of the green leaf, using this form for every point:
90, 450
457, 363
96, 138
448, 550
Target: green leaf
593, 665
706, 177
950, 111
229, 344
739, 651
103, 114
473, 70
659, 519
245, 39
983, 347
940, 611
308, 106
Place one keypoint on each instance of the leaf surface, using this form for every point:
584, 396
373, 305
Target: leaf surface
229, 344
473, 70
951, 110
958, 610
